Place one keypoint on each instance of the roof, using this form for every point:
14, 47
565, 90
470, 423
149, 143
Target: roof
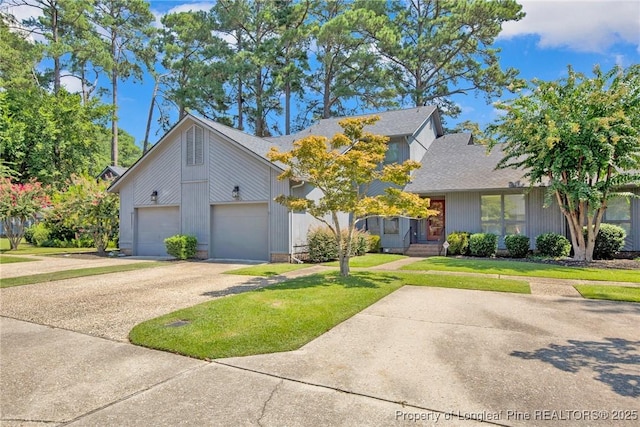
392, 123
116, 171
454, 163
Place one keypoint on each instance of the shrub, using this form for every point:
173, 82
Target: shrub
359, 242
517, 245
553, 245
483, 244
374, 243
322, 245
610, 241
181, 246
458, 243
40, 234
28, 234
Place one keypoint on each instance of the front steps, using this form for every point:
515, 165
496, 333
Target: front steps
424, 250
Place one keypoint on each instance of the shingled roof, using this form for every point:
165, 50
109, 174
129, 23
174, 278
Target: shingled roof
392, 123
454, 163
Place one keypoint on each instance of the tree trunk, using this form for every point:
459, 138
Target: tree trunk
114, 120
287, 108
145, 145
344, 265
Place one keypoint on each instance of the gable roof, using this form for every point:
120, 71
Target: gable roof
454, 163
392, 123
116, 171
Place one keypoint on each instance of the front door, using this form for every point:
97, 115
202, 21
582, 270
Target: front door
435, 224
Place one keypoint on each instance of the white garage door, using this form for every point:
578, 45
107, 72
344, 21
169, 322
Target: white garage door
240, 232
153, 226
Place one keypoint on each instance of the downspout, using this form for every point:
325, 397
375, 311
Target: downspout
293, 258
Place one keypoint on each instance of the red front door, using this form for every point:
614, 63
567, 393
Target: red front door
435, 224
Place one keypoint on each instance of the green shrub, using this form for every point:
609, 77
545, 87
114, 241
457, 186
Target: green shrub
181, 246
40, 234
28, 234
374, 243
359, 242
483, 244
458, 243
322, 245
517, 245
553, 245
609, 241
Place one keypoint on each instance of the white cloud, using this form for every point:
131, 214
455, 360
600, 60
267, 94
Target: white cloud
184, 7
584, 25
70, 83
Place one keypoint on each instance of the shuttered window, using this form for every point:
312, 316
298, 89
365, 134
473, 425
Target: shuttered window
195, 146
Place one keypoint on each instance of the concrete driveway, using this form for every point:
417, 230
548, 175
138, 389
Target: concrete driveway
420, 356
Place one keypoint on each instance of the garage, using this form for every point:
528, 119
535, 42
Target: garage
153, 225
240, 231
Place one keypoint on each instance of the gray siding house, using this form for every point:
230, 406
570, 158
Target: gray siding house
215, 182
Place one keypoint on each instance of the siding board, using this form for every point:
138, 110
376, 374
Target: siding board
162, 174
278, 216
195, 212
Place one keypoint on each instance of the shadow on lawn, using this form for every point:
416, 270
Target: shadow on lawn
614, 360
262, 284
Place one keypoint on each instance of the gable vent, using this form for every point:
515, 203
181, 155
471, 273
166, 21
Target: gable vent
195, 146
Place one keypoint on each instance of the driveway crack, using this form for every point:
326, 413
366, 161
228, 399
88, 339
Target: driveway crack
266, 402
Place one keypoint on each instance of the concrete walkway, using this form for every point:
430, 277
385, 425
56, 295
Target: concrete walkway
420, 356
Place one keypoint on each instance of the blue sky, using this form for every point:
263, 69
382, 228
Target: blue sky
553, 35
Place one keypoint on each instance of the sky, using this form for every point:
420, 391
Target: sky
553, 35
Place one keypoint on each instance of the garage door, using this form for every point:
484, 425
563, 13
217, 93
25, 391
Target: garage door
240, 232
153, 226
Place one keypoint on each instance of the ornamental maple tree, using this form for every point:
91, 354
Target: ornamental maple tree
20, 203
343, 168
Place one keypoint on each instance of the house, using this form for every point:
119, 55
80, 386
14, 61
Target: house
111, 172
215, 182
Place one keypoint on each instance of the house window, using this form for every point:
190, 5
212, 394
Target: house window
393, 153
195, 146
503, 214
619, 213
391, 226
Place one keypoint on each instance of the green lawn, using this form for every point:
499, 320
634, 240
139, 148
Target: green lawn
285, 316
266, 270
368, 260
5, 259
26, 249
70, 274
613, 293
515, 268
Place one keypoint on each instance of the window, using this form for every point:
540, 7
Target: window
391, 226
619, 213
195, 146
503, 214
393, 153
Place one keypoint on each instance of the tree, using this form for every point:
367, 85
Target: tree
349, 71
579, 136
86, 205
439, 48
343, 169
18, 57
20, 203
124, 25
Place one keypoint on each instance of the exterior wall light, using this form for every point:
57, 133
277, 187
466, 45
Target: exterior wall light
154, 196
235, 193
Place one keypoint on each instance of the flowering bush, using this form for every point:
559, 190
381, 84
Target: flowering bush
20, 203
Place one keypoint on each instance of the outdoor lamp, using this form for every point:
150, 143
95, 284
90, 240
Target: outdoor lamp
154, 196
235, 193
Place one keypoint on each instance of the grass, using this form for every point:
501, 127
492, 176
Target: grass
266, 270
285, 316
28, 249
71, 274
612, 293
515, 268
368, 260
5, 259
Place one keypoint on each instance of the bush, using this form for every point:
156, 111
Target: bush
553, 245
483, 244
458, 243
181, 246
40, 234
28, 234
322, 245
374, 243
517, 245
610, 241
